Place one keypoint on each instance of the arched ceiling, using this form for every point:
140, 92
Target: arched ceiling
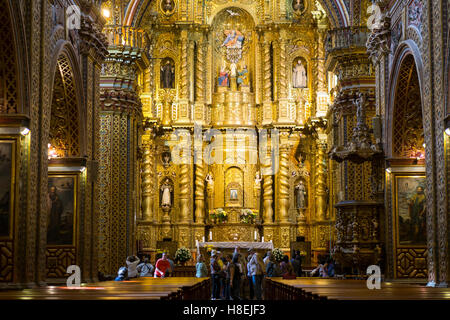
337, 11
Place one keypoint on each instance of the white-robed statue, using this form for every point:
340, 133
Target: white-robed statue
301, 195
166, 197
299, 77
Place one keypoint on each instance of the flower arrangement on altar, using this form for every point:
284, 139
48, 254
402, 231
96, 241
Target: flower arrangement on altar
248, 216
218, 215
183, 254
277, 254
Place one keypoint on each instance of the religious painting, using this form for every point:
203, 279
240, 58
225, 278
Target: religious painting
6, 186
298, 6
62, 209
410, 204
166, 158
233, 39
168, 7
299, 73
233, 194
167, 74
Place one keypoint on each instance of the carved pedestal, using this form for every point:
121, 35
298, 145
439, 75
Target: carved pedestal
358, 234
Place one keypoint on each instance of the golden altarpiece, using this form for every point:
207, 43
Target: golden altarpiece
244, 70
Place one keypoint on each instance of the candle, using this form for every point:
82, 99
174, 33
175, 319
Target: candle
210, 235
255, 234
262, 239
203, 239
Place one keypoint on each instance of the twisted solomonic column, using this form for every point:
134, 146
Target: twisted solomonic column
184, 194
267, 191
321, 182
147, 182
283, 184
200, 190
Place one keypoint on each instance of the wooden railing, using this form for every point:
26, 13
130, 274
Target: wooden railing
346, 38
119, 36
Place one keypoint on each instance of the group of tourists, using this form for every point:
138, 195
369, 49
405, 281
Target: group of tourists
235, 277
135, 268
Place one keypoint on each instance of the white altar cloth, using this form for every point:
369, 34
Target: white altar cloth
240, 244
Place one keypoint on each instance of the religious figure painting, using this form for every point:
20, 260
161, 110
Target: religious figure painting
234, 39
233, 194
168, 6
6, 172
167, 74
299, 74
298, 5
61, 209
411, 210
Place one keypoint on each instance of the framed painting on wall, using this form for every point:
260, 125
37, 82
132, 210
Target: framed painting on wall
410, 209
7, 192
62, 207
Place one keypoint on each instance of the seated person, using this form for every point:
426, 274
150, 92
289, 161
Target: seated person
145, 269
132, 262
121, 274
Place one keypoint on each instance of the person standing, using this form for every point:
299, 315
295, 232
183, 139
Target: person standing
235, 278
145, 269
202, 271
249, 275
215, 276
162, 267
227, 284
256, 267
267, 258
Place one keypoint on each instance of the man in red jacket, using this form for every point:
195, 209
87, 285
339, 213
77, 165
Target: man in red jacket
162, 265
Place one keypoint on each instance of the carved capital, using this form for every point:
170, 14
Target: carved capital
378, 43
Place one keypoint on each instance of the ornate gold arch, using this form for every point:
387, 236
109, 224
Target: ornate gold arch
407, 130
64, 132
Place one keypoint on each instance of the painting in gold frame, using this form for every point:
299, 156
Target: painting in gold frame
7, 189
62, 207
410, 209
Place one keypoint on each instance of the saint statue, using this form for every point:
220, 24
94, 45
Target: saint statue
258, 180
224, 80
300, 195
210, 182
233, 71
166, 194
168, 75
299, 78
242, 79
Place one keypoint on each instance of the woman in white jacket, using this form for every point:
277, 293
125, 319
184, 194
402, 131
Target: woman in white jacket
256, 269
132, 263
